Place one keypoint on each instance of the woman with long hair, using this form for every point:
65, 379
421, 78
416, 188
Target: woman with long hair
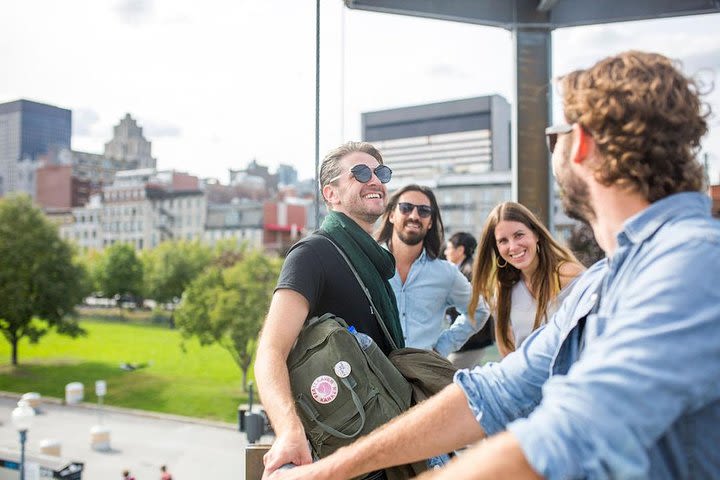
522, 272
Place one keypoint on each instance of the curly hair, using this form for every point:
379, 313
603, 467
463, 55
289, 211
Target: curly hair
646, 119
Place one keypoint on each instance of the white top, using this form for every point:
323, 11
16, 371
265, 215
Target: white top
524, 306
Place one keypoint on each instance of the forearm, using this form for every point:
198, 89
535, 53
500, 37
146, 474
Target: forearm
273, 383
442, 424
453, 338
497, 457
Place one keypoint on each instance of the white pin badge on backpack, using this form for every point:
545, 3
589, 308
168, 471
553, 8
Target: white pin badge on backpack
342, 369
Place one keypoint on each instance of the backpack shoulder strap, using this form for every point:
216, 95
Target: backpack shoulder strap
376, 312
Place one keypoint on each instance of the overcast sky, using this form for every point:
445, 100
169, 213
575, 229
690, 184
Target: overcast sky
217, 83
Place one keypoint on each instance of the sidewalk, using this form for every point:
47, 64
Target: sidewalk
141, 442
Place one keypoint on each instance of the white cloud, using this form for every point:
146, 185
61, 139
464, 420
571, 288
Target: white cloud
84, 120
134, 11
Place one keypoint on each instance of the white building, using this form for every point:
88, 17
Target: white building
240, 220
86, 228
144, 208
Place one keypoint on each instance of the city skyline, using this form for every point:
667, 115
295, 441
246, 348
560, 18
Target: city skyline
218, 86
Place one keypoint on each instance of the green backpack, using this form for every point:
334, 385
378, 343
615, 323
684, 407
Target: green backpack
342, 391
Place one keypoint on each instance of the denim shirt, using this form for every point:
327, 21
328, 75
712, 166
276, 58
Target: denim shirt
431, 287
641, 398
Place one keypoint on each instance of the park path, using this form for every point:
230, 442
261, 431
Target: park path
141, 442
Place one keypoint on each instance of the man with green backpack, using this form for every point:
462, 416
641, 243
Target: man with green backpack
342, 271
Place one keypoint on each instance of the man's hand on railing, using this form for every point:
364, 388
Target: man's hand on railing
291, 447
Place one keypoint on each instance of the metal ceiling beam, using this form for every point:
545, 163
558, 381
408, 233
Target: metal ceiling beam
591, 12
532, 22
551, 14
494, 13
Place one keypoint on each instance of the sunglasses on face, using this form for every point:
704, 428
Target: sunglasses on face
363, 173
406, 208
552, 133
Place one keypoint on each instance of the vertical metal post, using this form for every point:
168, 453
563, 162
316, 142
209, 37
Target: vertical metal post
342, 75
317, 113
23, 437
100, 409
250, 396
532, 48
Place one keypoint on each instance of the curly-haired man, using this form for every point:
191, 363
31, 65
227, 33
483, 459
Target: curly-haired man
624, 380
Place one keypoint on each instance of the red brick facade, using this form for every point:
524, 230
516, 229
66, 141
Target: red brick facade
56, 187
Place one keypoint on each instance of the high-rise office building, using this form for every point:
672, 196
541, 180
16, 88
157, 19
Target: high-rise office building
27, 131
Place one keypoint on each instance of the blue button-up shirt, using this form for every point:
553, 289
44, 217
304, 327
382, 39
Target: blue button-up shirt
639, 395
431, 287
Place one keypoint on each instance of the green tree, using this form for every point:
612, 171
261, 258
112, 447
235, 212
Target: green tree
90, 261
39, 282
228, 252
120, 271
170, 267
227, 306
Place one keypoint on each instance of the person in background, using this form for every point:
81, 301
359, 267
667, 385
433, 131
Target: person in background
164, 474
459, 250
126, 475
424, 285
522, 272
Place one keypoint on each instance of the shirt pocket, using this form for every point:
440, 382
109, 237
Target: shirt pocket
569, 349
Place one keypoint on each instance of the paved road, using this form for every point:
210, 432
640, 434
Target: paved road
192, 450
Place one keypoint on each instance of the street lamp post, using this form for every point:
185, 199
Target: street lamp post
22, 417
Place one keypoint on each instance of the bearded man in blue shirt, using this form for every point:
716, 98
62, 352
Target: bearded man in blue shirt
624, 380
426, 286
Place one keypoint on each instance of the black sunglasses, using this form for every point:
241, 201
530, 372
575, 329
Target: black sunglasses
424, 211
363, 173
551, 134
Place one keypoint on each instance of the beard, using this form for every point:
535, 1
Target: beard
574, 192
357, 208
412, 238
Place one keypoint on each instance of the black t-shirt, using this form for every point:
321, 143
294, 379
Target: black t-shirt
315, 269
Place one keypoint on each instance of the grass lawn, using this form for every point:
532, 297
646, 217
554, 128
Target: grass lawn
199, 382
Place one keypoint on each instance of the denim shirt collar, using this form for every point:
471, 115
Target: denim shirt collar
644, 224
423, 257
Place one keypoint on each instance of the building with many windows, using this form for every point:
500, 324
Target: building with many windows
27, 131
85, 229
240, 220
142, 208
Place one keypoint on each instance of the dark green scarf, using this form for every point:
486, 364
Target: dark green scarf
374, 264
